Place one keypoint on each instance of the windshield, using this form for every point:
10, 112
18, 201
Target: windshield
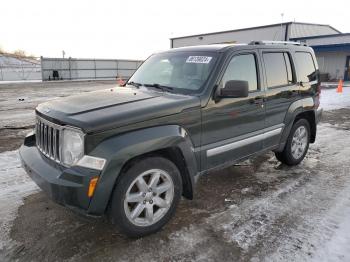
184, 72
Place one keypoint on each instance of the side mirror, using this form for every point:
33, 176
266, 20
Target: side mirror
235, 88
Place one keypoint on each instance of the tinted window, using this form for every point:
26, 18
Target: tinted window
242, 67
305, 67
277, 71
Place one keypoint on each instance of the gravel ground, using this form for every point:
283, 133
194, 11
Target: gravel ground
258, 210
18, 101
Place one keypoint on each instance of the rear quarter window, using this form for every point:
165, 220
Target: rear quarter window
306, 69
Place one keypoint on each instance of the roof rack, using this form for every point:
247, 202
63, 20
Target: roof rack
265, 42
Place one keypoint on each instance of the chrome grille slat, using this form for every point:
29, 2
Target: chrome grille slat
54, 144
49, 151
37, 132
59, 156
45, 139
41, 135
48, 138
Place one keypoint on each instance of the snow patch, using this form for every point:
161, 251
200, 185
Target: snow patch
331, 100
15, 184
337, 247
314, 205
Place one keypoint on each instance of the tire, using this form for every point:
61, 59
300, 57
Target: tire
294, 153
133, 214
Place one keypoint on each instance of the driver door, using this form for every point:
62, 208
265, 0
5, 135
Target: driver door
232, 128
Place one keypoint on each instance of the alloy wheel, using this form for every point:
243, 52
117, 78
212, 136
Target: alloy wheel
299, 142
149, 197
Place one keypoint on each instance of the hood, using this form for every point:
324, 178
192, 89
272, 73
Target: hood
116, 107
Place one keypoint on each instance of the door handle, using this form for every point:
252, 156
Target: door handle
257, 100
293, 92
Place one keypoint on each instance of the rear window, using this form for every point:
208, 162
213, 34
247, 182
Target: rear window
306, 69
278, 69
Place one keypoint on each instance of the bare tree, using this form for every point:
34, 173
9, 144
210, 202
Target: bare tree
20, 53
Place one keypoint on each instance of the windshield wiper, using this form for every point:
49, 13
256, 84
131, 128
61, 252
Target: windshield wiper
134, 84
161, 87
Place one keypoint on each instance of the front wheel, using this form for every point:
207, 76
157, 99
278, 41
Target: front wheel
146, 196
297, 144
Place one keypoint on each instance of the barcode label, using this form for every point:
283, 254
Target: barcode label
199, 59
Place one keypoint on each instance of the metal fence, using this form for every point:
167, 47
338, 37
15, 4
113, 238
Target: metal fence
75, 69
14, 68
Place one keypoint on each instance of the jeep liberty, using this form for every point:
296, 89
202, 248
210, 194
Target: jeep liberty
132, 152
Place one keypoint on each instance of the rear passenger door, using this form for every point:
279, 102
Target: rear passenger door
281, 90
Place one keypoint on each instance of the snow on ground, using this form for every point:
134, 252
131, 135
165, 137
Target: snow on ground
18, 101
331, 100
338, 245
17, 119
14, 186
19, 82
317, 211
306, 218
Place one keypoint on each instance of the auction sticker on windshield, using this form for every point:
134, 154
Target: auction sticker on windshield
199, 59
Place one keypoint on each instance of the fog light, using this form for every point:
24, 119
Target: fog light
92, 162
92, 186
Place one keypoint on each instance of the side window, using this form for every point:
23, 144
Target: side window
306, 69
278, 69
242, 67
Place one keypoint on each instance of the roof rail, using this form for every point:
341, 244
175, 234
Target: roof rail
265, 42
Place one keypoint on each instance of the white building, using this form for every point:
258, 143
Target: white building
332, 47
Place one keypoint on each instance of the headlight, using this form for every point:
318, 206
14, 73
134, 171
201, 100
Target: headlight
72, 146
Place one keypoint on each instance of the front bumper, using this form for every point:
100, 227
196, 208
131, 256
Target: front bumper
66, 186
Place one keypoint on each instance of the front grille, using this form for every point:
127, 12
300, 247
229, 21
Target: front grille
48, 137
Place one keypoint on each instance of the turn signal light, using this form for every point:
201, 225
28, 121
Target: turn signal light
92, 186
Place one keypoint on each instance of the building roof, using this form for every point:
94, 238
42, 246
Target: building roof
333, 42
225, 47
322, 36
298, 24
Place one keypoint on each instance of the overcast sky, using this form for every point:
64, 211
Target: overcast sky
134, 29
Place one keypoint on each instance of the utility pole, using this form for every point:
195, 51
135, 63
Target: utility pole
63, 53
282, 14
2, 75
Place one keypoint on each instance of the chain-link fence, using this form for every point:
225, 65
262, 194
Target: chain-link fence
79, 69
14, 68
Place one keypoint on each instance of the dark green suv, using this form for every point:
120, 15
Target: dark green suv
131, 152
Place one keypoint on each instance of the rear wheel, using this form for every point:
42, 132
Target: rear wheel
297, 144
146, 196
